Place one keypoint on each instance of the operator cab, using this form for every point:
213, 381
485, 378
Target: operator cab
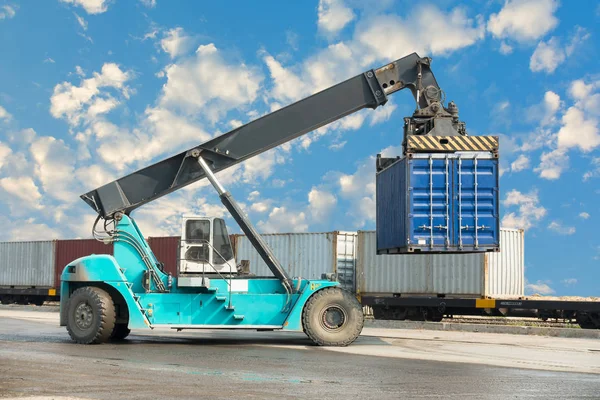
205, 247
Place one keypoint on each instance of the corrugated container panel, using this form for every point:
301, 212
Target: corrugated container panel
474, 274
306, 255
27, 264
457, 274
166, 250
70, 250
506, 269
431, 203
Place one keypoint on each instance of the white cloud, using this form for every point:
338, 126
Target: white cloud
379, 38
584, 215
337, 146
333, 16
29, 231
260, 206
390, 36
175, 42
539, 287
545, 112
358, 189
206, 82
7, 12
68, 101
253, 195
49, 60
4, 115
569, 281
549, 55
279, 183
560, 228
81, 21
580, 90
22, 193
154, 137
287, 86
382, 114
321, 204
523, 20
595, 171
54, 167
149, 3
520, 164
578, 130
585, 97
90, 6
552, 164
235, 123
262, 165
283, 220
505, 48
528, 213
94, 176
5, 151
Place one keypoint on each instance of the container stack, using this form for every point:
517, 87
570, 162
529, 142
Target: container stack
441, 196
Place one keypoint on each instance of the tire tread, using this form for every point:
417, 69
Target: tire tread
107, 314
311, 331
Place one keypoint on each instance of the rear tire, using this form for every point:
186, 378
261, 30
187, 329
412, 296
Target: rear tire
90, 315
120, 332
332, 317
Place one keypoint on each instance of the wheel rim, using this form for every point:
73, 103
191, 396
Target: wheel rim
84, 316
333, 318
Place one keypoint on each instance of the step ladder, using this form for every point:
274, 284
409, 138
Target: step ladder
135, 297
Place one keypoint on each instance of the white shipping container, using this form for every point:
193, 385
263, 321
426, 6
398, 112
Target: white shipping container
459, 275
305, 255
27, 264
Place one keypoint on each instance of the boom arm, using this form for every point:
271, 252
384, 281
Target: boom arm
367, 90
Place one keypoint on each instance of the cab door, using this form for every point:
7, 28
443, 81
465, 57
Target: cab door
195, 246
205, 247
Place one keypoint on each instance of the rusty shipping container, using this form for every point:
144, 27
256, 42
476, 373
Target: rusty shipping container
166, 250
70, 250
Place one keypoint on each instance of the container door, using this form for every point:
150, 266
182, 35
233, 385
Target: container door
476, 197
431, 224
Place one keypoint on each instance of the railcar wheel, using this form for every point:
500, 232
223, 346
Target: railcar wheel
332, 317
90, 315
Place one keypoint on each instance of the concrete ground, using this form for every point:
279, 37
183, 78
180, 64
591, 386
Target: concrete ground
38, 360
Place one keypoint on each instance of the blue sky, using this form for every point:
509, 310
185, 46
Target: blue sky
93, 89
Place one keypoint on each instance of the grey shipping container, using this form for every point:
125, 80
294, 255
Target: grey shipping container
458, 275
306, 255
438, 203
27, 264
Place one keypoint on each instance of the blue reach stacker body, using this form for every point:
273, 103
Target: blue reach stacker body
103, 297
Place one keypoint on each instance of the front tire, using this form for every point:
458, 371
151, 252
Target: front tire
332, 317
91, 315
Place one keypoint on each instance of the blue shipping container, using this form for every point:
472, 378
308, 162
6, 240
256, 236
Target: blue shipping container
441, 203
